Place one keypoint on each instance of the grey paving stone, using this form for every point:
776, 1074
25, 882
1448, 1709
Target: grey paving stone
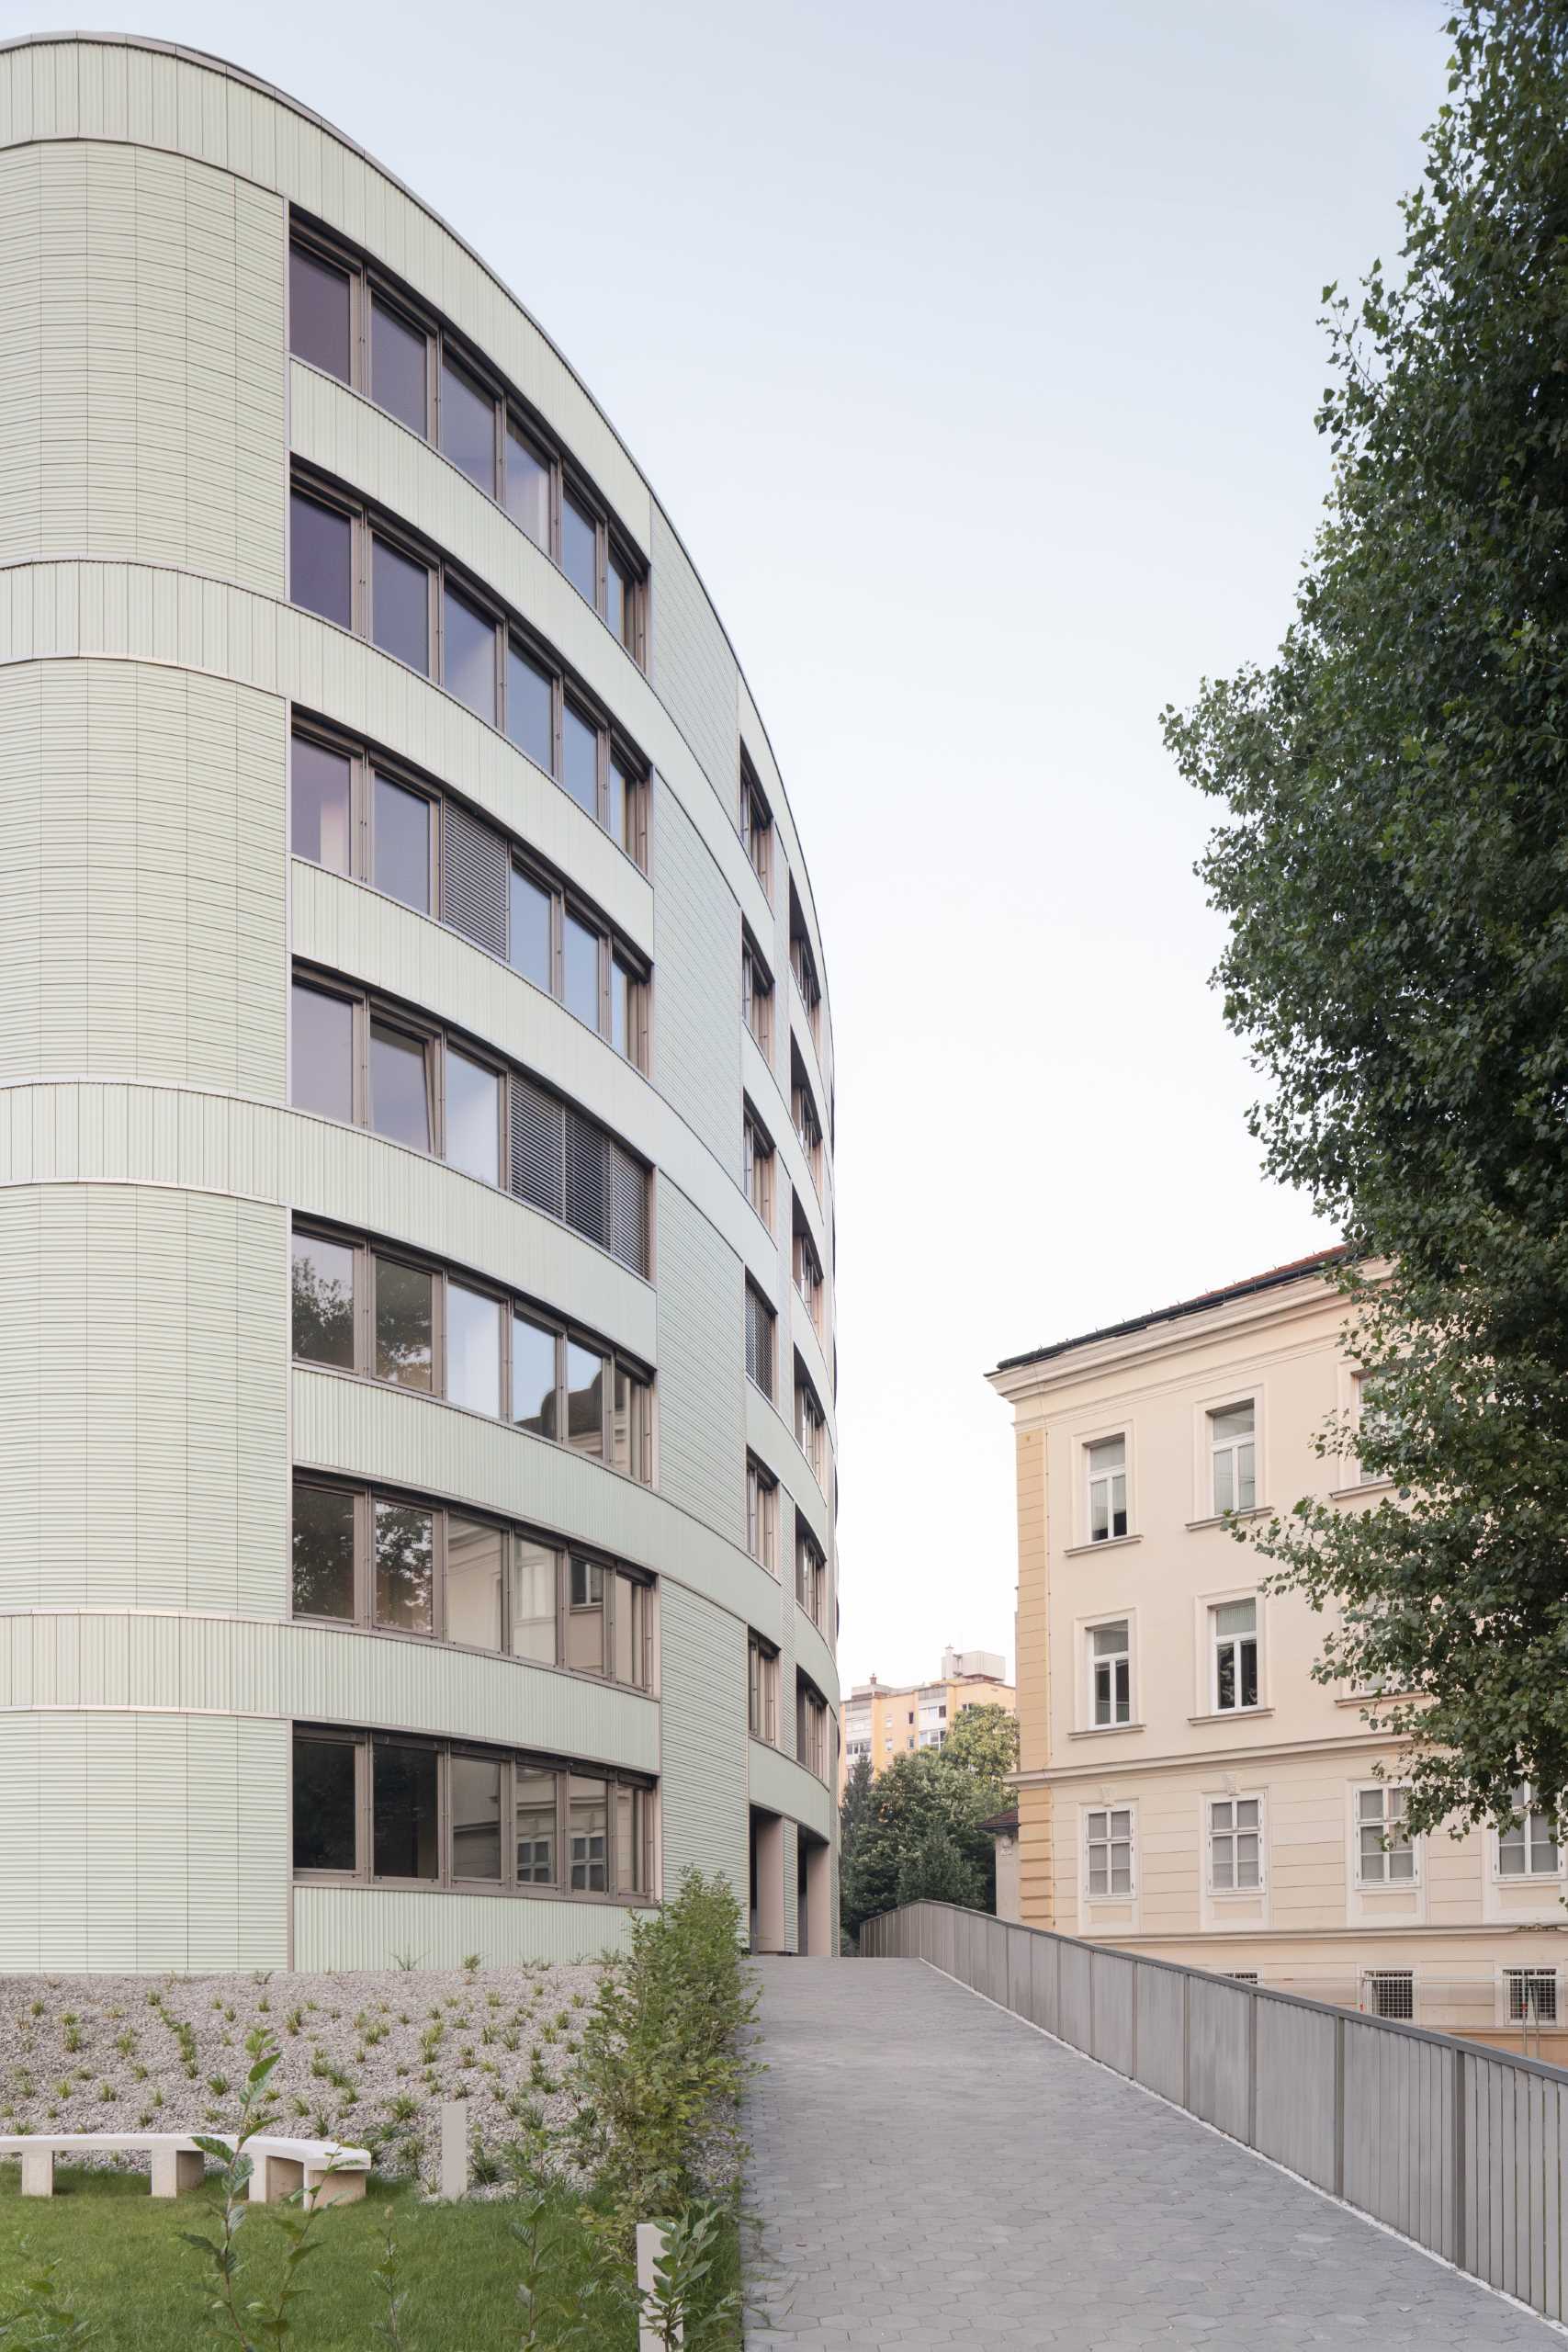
927, 2171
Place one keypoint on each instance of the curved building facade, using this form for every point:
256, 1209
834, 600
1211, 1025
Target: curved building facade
416, 1098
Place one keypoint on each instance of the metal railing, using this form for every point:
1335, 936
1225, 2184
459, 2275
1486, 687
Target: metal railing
1460, 2148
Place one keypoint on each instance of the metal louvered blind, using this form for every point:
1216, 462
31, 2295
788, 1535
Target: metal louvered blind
475, 877
629, 1210
537, 1147
588, 1152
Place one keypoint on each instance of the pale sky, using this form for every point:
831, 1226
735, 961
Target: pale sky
974, 351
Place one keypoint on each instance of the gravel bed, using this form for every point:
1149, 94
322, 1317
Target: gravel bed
367, 2055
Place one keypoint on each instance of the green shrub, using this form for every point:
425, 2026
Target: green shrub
660, 2070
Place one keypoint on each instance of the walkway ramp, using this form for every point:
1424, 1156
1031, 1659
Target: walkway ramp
928, 2171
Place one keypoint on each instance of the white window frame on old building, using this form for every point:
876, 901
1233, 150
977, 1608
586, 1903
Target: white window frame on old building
1226, 1835
1217, 1642
1100, 1488
1233, 1458
1389, 1992
1515, 1986
1100, 1838
1524, 1836
1379, 1807
1095, 1659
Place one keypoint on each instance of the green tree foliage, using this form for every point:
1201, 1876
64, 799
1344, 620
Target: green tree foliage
916, 1829
1394, 868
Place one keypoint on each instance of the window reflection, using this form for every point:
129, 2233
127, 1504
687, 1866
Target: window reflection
529, 705
533, 1600
584, 1399
319, 803
324, 1553
321, 559
319, 312
473, 1118
406, 1840
322, 1302
589, 1832
399, 369
475, 1818
399, 1092
579, 548
580, 760
402, 823
473, 1349
322, 1053
530, 933
535, 1799
585, 1616
532, 1377
404, 1346
468, 426
405, 1568
400, 605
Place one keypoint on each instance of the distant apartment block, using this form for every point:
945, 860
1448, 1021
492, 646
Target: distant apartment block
1185, 1788
881, 1720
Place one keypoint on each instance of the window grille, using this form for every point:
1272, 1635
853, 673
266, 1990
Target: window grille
1389, 1992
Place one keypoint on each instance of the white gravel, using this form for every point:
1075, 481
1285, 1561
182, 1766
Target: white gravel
367, 2056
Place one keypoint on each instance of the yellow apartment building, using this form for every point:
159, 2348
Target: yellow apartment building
1185, 1788
882, 1722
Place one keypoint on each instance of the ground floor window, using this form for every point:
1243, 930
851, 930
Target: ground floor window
1389, 1992
409, 1811
1532, 1996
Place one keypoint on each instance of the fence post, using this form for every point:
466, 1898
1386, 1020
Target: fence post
1462, 2154
1339, 2106
453, 2148
1187, 2043
1138, 1979
1252, 2067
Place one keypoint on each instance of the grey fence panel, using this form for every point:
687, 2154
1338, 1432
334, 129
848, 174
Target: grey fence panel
1220, 2046
1020, 1962
1400, 2131
1075, 1998
1297, 2109
1162, 2029
1046, 1973
1113, 1981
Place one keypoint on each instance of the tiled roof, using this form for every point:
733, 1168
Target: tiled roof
1296, 1271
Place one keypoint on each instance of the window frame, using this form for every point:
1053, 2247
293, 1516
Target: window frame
369, 282
1212, 1450
1385, 1791
756, 996
1109, 1813
768, 1330
1105, 1621
811, 1291
755, 826
810, 1423
805, 1117
1214, 1642
1526, 1810
803, 968
811, 1741
1513, 1977
758, 1164
761, 1690
1089, 1480
513, 1761
370, 1252
810, 1575
364, 1494
763, 1515
1234, 1830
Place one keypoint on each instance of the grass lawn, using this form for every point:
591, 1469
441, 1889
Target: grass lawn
123, 2264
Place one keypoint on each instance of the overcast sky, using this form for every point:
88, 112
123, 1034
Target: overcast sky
974, 351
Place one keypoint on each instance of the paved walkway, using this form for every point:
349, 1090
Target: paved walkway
926, 2170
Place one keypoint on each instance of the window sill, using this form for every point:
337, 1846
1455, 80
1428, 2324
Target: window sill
1230, 1517
1232, 1715
1110, 1544
1364, 1699
1103, 1731
1361, 1486
1237, 1894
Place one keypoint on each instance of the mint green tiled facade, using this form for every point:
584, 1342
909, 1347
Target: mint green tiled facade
152, 1418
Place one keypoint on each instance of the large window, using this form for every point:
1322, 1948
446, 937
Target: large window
1110, 1674
756, 827
1235, 1844
412, 1811
810, 1425
1106, 1462
1233, 1458
1232, 1643
757, 1165
803, 1112
803, 963
810, 1727
365, 1558
761, 1515
762, 1691
1526, 1848
810, 1575
1108, 1852
756, 997
381, 341
414, 606
1384, 1854
363, 1309
381, 1066
806, 1268
760, 1350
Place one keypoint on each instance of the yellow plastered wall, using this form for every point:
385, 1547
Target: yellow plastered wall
1033, 1681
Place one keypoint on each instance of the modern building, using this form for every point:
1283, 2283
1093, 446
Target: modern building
1186, 1789
417, 1110
881, 1720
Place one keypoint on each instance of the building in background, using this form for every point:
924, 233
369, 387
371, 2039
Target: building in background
417, 1221
881, 1723
1186, 1789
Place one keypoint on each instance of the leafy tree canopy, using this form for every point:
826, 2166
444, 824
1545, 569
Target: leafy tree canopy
1393, 864
917, 1826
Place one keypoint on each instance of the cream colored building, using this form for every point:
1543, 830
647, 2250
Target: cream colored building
1186, 1789
882, 1722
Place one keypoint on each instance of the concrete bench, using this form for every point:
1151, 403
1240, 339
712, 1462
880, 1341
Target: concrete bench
328, 2172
